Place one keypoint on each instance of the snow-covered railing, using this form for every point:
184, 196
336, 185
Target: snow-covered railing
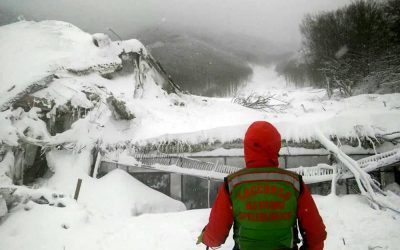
382, 159
324, 172
183, 162
194, 167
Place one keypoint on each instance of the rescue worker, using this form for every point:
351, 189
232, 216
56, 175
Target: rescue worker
263, 202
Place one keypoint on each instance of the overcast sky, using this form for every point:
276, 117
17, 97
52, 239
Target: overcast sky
276, 20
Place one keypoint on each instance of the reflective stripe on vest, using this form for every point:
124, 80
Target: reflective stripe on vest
263, 176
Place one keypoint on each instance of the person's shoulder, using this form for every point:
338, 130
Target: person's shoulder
237, 173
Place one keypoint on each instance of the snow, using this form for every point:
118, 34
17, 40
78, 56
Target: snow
116, 194
119, 194
350, 224
42, 48
5, 168
119, 212
7, 132
51, 47
358, 116
393, 187
193, 172
263, 80
67, 168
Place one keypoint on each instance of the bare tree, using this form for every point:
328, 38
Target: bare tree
263, 103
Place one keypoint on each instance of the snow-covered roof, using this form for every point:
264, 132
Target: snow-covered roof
31, 51
364, 115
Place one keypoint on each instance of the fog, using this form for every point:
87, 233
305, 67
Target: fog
274, 20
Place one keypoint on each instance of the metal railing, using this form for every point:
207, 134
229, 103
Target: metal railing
202, 169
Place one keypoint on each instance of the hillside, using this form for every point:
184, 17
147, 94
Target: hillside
197, 66
209, 63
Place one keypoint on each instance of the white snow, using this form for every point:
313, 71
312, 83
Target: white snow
201, 121
7, 132
393, 187
39, 49
117, 211
119, 194
67, 168
116, 194
5, 168
350, 223
263, 80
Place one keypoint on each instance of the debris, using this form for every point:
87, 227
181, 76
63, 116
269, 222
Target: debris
3, 206
263, 103
368, 187
10, 199
119, 109
60, 204
12, 87
42, 200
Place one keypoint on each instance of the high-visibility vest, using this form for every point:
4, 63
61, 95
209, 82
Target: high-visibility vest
264, 204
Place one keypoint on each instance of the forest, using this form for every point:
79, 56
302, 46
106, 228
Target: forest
353, 50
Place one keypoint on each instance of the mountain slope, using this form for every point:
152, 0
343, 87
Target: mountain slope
197, 66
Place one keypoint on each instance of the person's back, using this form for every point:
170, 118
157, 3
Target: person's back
264, 202
264, 207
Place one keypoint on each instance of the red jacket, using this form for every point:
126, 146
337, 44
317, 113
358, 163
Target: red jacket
261, 147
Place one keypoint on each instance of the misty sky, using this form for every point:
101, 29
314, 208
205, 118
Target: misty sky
275, 20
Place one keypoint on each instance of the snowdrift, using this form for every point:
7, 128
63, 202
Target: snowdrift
120, 194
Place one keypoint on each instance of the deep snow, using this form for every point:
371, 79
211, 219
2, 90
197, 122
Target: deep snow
351, 224
117, 211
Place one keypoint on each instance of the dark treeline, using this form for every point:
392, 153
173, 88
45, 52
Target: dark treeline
352, 49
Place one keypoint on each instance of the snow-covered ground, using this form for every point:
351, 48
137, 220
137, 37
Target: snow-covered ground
99, 220
117, 211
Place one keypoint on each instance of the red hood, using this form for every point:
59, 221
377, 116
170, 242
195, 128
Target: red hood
261, 145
